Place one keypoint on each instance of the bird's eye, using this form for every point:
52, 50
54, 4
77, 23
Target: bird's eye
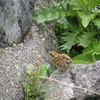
51, 55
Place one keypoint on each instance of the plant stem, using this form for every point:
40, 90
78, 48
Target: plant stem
40, 58
70, 85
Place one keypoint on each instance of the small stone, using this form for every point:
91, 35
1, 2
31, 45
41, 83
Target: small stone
6, 48
14, 44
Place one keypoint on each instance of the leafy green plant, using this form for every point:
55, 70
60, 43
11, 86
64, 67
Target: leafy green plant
49, 71
31, 91
81, 19
90, 54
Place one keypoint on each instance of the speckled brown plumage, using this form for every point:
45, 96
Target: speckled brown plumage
62, 61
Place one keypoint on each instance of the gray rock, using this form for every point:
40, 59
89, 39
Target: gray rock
15, 59
15, 20
77, 81
66, 91
86, 76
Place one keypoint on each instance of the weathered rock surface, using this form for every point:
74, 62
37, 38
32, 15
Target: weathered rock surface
66, 91
86, 76
15, 20
82, 76
16, 16
14, 60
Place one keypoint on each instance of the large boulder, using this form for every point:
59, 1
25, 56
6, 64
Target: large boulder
15, 59
87, 77
15, 20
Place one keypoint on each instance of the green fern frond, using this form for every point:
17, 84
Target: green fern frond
94, 47
86, 38
70, 35
84, 10
50, 13
86, 18
97, 22
80, 5
69, 40
92, 4
90, 54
